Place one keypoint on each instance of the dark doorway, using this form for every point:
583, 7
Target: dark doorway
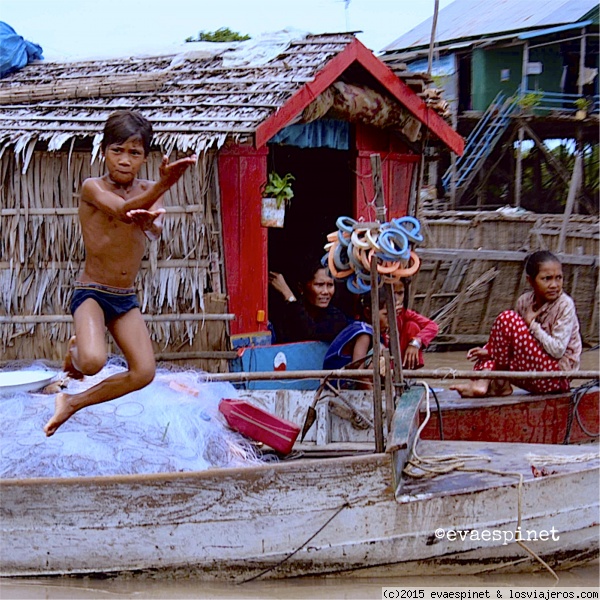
465, 100
323, 191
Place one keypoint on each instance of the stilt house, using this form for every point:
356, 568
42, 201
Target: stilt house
515, 74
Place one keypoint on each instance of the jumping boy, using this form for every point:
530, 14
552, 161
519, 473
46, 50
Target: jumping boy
117, 212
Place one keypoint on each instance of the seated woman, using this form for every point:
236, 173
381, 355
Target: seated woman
414, 330
352, 344
541, 335
312, 317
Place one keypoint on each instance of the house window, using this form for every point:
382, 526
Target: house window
505, 75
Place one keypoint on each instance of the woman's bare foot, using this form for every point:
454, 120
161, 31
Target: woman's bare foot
500, 387
477, 388
68, 365
62, 412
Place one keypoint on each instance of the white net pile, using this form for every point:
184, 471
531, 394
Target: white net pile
171, 425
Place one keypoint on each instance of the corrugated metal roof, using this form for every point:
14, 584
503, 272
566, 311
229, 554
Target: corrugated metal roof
479, 18
551, 30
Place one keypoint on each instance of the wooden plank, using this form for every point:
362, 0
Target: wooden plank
410, 100
357, 52
148, 318
403, 431
305, 95
453, 254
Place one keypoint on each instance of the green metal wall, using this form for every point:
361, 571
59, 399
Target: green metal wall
551, 59
487, 69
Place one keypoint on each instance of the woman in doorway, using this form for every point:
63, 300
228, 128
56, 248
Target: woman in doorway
311, 316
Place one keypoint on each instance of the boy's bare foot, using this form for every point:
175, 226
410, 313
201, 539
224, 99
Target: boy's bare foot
478, 388
62, 412
68, 365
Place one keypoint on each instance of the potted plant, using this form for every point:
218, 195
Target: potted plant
583, 105
277, 194
530, 100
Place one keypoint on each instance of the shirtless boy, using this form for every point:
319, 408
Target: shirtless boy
117, 212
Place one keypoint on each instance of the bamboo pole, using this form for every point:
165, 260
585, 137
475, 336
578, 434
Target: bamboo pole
573, 187
242, 376
74, 210
377, 416
436, 9
34, 319
198, 355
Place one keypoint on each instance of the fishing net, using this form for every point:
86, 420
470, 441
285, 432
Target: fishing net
171, 425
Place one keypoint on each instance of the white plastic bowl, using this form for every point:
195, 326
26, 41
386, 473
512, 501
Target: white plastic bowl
12, 382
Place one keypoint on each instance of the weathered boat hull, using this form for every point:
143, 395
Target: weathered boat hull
303, 517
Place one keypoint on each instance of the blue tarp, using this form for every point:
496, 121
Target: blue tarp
325, 133
15, 52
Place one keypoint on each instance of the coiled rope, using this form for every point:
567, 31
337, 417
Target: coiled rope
355, 244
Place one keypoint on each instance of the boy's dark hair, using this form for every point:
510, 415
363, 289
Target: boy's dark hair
406, 282
534, 261
365, 302
125, 124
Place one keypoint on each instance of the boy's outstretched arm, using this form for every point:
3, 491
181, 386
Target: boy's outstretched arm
150, 221
109, 202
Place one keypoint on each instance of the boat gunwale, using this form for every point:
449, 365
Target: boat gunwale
460, 403
206, 474
378, 458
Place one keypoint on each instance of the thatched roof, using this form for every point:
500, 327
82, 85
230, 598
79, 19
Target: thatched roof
194, 100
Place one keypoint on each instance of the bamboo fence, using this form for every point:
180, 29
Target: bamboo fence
180, 285
472, 268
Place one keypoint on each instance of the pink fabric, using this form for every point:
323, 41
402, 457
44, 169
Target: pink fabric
512, 347
413, 325
427, 329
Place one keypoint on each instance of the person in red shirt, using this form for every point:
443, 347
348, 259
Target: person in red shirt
414, 330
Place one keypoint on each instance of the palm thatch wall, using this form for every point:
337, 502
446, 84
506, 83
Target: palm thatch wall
181, 284
472, 268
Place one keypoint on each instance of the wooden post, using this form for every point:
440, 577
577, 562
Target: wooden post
389, 298
519, 168
380, 210
377, 398
574, 185
390, 304
390, 402
581, 63
524, 69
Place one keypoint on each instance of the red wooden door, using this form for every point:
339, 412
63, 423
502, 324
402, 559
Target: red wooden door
398, 170
242, 170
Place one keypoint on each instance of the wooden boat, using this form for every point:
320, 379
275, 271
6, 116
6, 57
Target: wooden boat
570, 417
521, 417
355, 514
